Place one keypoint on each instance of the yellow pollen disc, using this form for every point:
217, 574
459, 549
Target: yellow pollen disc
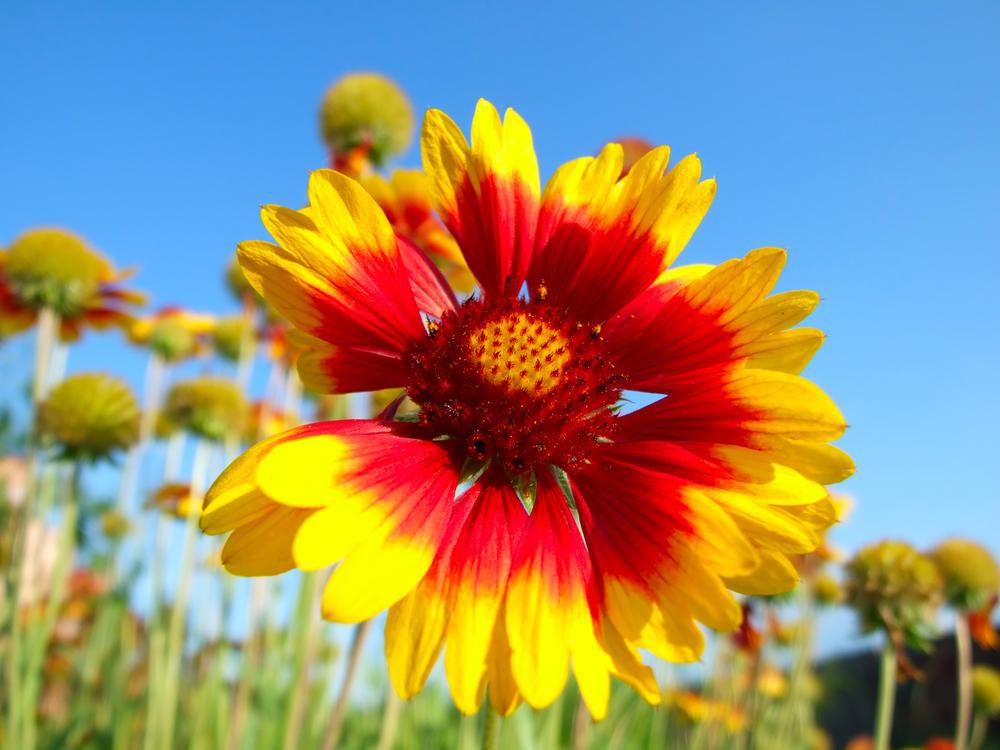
520, 352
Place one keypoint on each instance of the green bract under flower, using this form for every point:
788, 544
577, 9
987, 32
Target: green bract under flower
53, 268
894, 587
986, 690
212, 408
971, 574
90, 415
367, 110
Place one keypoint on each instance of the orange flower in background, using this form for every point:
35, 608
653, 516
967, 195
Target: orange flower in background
174, 499
56, 269
633, 149
981, 626
748, 638
405, 199
522, 524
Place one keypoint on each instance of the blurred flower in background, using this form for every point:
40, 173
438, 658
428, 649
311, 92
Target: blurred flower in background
208, 407
365, 119
175, 334
55, 269
90, 416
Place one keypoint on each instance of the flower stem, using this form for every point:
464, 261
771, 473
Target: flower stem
978, 736
886, 696
491, 729
361, 631
178, 611
39, 638
963, 650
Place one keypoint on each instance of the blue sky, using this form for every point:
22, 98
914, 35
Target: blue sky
861, 136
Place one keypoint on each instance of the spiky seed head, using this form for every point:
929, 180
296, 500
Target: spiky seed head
209, 407
367, 110
971, 574
90, 415
55, 269
894, 587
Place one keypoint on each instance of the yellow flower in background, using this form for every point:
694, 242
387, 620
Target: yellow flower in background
56, 269
172, 332
580, 536
828, 590
365, 119
208, 407
90, 415
971, 574
986, 690
772, 682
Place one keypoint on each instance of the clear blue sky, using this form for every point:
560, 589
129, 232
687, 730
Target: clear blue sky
864, 137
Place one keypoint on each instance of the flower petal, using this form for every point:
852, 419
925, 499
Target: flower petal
487, 194
602, 241
337, 274
264, 547
677, 330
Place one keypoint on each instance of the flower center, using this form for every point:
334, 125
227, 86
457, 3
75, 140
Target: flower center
519, 351
515, 381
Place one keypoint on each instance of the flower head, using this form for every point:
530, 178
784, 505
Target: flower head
90, 415
981, 625
230, 335
174, 499
211, 408
365, 118
986, 690
405, 199
521, 522
971, 574
894, 587
633, 149
828, 590
172, 332
56, 269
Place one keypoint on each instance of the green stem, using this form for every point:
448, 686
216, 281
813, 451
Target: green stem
306, 636
390, 719
491, 730
886, 696
361, 631
979, 727
39, 639
963, 648
175, 629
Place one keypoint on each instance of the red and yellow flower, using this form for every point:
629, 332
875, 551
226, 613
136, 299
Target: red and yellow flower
523, 524
56, 269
